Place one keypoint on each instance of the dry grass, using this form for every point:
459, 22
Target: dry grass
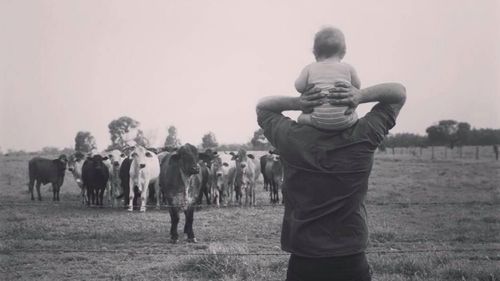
64, 241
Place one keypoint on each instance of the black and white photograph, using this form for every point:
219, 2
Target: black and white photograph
192, 140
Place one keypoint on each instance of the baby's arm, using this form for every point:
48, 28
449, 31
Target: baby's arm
354, 78
301, 82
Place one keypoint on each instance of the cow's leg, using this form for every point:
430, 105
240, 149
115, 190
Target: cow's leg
277, 193
144, 197
271, 192
101, 196
114, 191
30, 186
157, 193
207, 194
188, 226
131, 195
83, 194
58, 189
54, 192
38, 183
174, 221
87, 191
108, 192
252, 194
91, 196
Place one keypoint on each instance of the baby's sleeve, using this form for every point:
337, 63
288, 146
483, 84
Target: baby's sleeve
301, 82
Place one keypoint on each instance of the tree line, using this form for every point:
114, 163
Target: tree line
449, 133
125, 131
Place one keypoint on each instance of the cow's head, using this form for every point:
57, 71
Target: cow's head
187, 156
274, 155
241, 158
97, 162
140, 154
217, 166
208, 157
61, 162
74, 160
116, 157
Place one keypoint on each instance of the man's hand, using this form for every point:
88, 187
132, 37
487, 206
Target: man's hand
344, 94
311, 98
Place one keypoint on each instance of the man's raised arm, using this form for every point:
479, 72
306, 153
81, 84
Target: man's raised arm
392, 94
278, 104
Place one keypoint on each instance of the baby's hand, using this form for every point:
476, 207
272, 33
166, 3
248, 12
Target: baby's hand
342, 83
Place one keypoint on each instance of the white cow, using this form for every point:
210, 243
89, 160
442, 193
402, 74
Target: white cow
75, 164
224, 172
144, 172
115, 160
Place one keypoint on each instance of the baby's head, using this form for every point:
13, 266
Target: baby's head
329, 42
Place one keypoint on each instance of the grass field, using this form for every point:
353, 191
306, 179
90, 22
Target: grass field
428, 219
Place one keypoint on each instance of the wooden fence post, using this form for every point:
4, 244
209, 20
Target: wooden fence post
432, 150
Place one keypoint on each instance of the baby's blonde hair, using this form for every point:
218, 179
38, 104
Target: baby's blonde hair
328, 42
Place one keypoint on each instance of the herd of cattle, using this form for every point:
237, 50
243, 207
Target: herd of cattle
179, 178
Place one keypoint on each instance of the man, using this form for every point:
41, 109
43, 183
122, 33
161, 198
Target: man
326, 179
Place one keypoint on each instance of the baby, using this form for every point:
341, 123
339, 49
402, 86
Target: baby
327, 72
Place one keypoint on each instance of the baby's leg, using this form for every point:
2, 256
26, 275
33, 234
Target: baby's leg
305, 119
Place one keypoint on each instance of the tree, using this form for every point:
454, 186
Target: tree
259, 141
84, 142
463, 133
50, 150
449, 132
172, 140
124, 132
209, 140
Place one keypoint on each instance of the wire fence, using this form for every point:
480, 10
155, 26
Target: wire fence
443, 152
170, 253
229, 206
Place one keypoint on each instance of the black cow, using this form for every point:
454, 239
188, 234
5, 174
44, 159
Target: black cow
263, 162
206, 176
178, 174
125, 183
273, 171
95, 176
43, 171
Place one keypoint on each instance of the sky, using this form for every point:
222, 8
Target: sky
76, 65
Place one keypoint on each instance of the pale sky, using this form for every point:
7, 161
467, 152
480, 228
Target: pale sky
75, 65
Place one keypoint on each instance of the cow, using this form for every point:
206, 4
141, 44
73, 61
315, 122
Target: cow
263, 162
179, 172
75, 164
144, 172
43, 171
124, 175
247, 173
95, 176
273, 171
223, 180
116, 158
206, 176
